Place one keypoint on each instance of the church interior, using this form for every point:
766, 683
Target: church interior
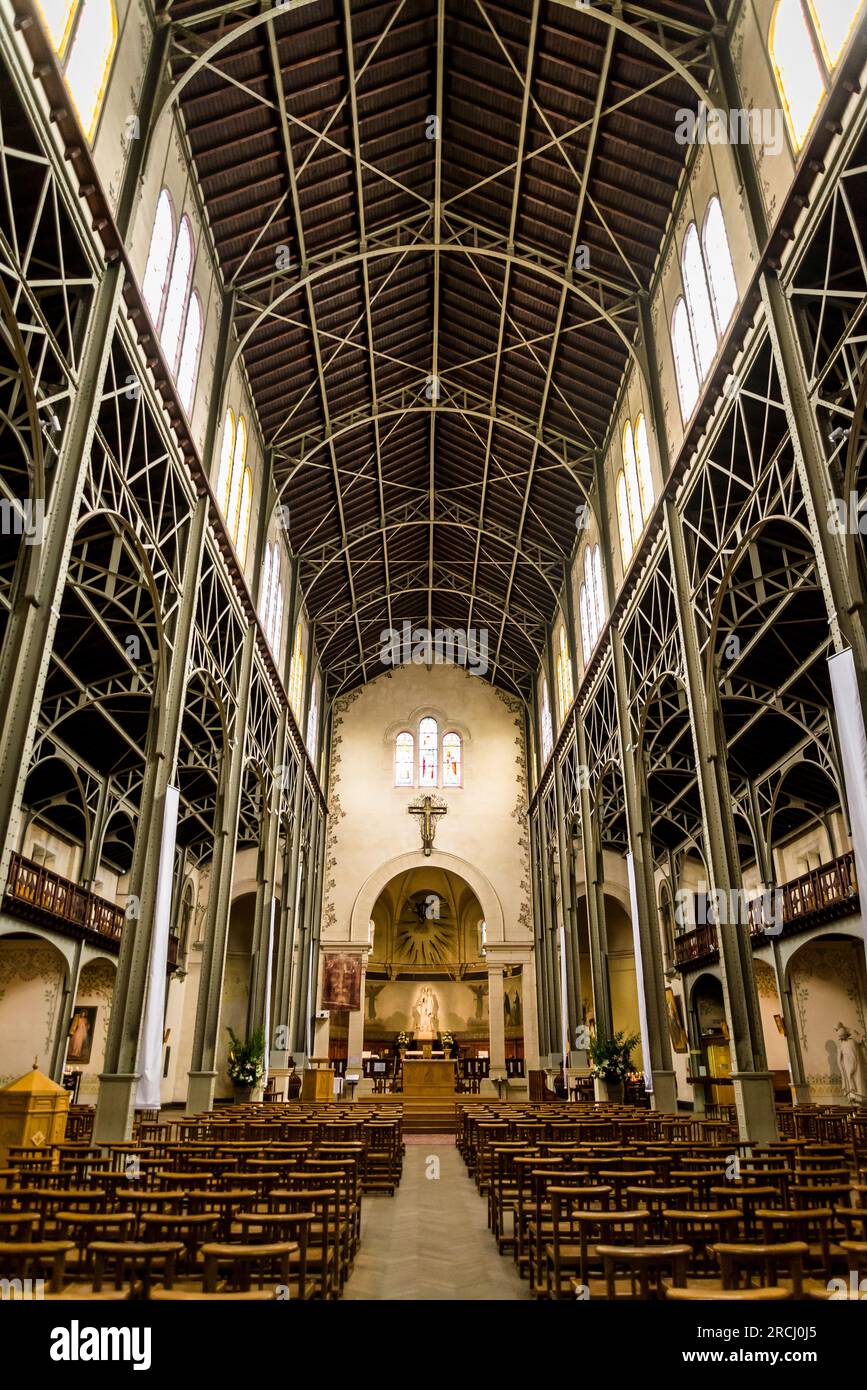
433, 655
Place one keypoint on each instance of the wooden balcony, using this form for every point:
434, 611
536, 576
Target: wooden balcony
821, 895
697, 947
38, 895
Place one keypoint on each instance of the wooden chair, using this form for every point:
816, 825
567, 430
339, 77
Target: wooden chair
702, 1293
594, 1227
245, 1261
763, 1263
698, 1228
18, 1225
134, 1262
643, 1266
29, 1259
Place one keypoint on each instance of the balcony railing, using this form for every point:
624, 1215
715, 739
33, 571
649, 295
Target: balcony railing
35, 892
698, 945
820, 895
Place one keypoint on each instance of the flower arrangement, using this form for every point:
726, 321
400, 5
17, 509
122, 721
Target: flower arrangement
402, 1039
610, 1058
246, 1060
446, 1039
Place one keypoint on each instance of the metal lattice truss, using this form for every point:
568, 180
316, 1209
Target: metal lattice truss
437, 218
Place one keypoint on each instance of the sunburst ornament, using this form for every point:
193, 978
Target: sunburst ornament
422, 937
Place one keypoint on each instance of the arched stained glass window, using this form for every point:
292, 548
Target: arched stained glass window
645, 474
156, 274
224, 475
798, 67
600, 601
627, 544
265, 600
176, 299
271, 603
564, 676
245, 505
546, 730
313, 719
83, 34
427, 753
296, 673
720, 271
188, 369
704, 335
91, 49
633, 491
684, 361
584, 612
452, 760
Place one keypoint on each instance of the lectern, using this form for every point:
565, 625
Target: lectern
317, 1081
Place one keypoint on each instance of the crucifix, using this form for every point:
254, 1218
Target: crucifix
428, 809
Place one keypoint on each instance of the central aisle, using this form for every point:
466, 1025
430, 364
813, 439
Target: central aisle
431, 1240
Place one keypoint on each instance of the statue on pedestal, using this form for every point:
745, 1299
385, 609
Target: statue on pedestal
426, 1014
852, 1064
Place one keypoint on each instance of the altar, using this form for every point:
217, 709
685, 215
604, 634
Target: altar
428, 1077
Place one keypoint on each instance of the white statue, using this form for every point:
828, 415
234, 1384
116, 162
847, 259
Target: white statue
426, 1014
852, 1065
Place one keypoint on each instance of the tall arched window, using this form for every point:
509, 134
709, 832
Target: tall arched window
271, 603
564, 676
806, 42
704, 311
156, 276
633, 490
452, 760
188, 368
427, 753
684, 360
590, 601
235, 483
224, 475
313, 719
404, 759
174, 307
627, 543
584, 612
546, 729
84, 36
718, 259
296, 673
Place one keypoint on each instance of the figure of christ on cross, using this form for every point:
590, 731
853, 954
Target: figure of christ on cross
428, 810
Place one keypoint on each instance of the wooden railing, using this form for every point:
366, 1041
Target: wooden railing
34, 891
829, 891
699, 944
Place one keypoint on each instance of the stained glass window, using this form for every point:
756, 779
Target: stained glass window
427, 753
452, 760
404, 758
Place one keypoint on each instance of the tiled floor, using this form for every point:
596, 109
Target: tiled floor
431, 1240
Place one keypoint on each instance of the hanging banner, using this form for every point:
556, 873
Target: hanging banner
853, 752
267, 1058
639, 974
341, 982
150, 1055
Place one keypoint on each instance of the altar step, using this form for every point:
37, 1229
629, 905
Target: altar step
423, 1114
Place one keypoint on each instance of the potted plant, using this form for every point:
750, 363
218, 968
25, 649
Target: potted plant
448, 1043
402, 1041
610, 1063
246, 1062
